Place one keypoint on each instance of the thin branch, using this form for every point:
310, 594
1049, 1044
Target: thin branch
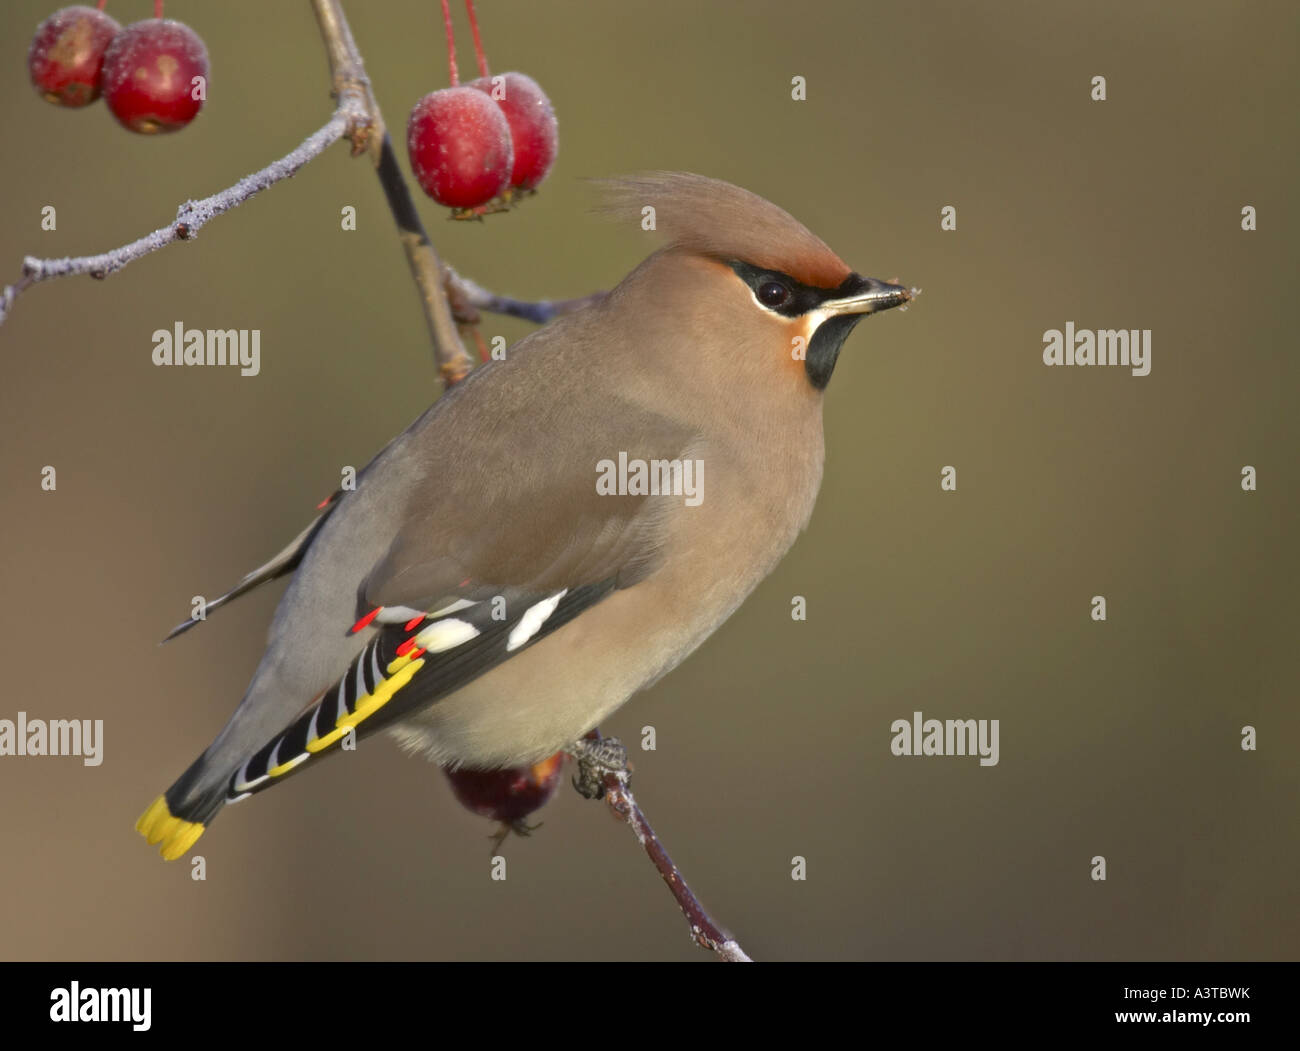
704, 931
190, 217
350, 86
539, 312
351, 83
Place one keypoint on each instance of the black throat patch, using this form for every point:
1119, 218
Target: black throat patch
824, 346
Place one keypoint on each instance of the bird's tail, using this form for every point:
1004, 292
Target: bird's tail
225, 773
179, 816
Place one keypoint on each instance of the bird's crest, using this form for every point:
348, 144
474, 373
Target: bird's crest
716, 219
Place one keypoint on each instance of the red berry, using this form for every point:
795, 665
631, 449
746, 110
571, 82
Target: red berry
67, 52
459, 145
533, 130
149, 73
507, 795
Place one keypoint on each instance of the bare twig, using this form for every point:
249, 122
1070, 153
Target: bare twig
704, 932
351, 83
190, 217
539, 312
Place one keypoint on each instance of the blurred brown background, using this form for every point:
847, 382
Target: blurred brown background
1119, 739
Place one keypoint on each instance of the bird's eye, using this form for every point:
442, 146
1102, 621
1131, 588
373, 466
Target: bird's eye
772, 293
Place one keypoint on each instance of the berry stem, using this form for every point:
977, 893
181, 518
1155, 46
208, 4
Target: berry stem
452, 72
478, 43
157, 8
100, 6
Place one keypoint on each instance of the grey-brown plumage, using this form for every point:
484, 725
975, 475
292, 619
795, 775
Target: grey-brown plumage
492, 493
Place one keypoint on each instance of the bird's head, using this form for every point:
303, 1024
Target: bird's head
743, 275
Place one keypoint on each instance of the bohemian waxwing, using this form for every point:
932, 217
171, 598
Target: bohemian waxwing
564, 526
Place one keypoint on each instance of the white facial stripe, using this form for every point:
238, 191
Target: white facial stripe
446, 634
815, 319
532, 620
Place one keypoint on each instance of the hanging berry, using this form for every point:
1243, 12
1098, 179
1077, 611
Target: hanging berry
67, 54
155, 75
533, 130
459, 147
508, 795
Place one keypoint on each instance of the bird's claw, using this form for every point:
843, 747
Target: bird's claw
596, 758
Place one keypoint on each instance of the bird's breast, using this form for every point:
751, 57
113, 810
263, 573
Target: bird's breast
716, 552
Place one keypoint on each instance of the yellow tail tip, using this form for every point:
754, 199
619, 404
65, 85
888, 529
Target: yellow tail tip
176, 835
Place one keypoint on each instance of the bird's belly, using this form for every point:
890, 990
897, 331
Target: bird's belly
532, 705
537, 703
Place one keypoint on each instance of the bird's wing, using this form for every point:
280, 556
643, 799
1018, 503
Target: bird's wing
403, 668
284, 561
480, 570
525, 510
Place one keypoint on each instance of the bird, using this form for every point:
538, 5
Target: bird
526, 556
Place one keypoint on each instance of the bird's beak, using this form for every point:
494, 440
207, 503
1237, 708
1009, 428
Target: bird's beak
865, 295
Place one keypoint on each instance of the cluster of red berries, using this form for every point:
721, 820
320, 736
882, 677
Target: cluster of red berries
153, 74
475, 147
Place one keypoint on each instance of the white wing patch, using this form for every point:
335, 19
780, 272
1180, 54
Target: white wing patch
532, 620
404, 614
455, 607
445, 634
397, 614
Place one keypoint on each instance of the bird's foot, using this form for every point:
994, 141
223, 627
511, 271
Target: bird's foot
596, 758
